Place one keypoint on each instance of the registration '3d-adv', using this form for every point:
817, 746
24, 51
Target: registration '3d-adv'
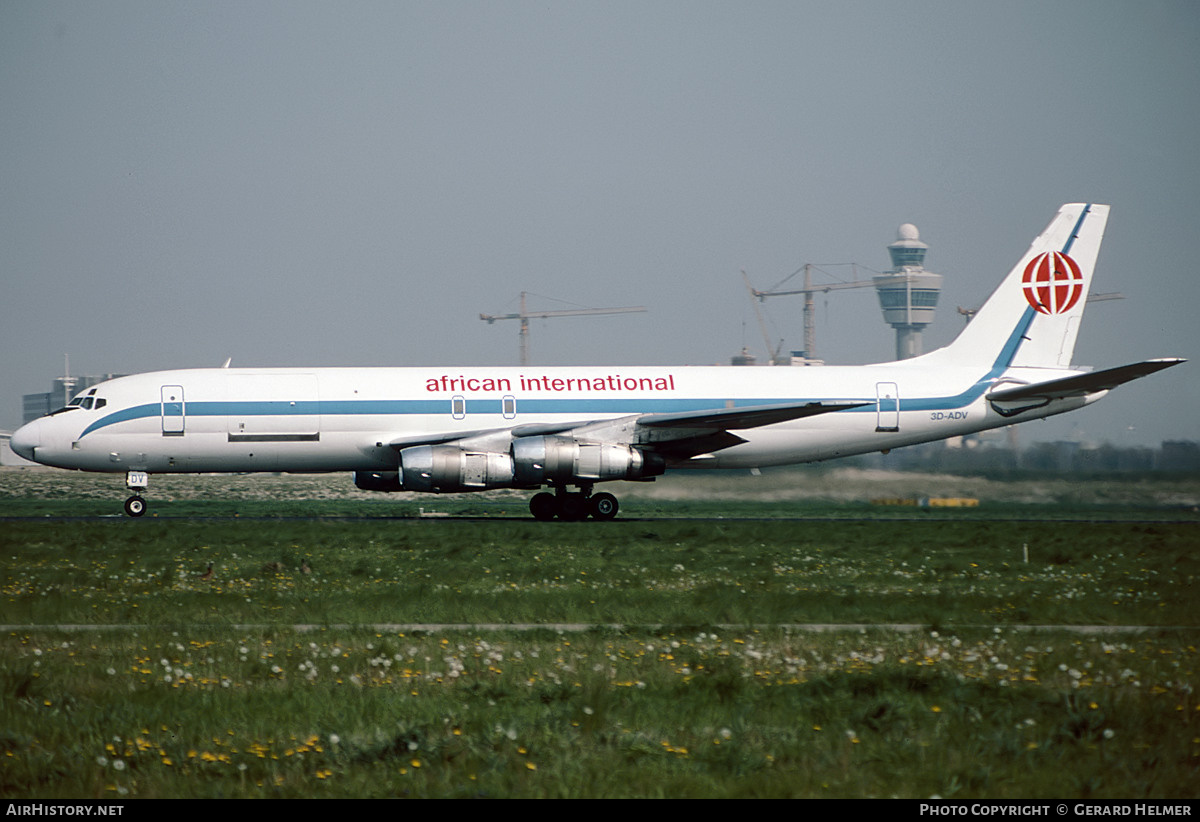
474, 429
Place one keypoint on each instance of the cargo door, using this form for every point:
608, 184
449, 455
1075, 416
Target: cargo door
273, 408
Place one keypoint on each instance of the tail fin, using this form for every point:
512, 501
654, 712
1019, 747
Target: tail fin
1032, 319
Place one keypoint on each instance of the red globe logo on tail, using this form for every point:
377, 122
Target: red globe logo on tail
1052, 283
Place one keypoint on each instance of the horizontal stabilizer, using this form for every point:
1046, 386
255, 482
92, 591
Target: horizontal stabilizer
1082, 384
735, 419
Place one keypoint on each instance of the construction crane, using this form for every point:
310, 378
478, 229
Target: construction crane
968, 314
808, 291
772, 353
525, 316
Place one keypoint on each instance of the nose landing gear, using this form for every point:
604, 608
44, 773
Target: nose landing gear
137, 482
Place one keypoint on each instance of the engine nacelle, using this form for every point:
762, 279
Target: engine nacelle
538, 460
533, 462
449, 468
378, 480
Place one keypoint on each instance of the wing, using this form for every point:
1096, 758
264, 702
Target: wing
684, 435
676, 436
483, 434
736, 419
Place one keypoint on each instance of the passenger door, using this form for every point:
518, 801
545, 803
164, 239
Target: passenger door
173, 411
887, 404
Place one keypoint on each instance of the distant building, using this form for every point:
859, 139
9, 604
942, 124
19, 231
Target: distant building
1179, 455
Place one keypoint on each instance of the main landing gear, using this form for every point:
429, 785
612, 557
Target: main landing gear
137, 482
573, 506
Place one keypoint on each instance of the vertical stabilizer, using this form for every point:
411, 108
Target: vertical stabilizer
1032, 319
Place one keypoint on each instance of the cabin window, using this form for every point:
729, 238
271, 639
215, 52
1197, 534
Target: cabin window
508, 407
458, 407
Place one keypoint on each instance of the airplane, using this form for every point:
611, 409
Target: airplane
453, 430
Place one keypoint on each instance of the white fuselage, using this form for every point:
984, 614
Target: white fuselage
355, 419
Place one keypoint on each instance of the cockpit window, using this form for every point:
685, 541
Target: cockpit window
88, 401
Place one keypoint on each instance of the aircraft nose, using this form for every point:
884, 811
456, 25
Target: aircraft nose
26, 438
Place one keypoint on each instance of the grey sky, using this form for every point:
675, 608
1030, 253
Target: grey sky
352, 183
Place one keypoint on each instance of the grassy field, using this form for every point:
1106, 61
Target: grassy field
292, 637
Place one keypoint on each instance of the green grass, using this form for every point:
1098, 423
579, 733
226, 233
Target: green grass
338, 713
695, 682
673, 572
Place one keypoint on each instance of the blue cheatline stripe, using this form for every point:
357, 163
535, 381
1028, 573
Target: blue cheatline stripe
134, 412
1075, 231
1012, 344
525, 408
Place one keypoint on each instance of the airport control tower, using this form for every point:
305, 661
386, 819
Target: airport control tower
908, 294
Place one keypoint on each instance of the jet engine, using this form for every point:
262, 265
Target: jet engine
450, 468
531, 463
540, 460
